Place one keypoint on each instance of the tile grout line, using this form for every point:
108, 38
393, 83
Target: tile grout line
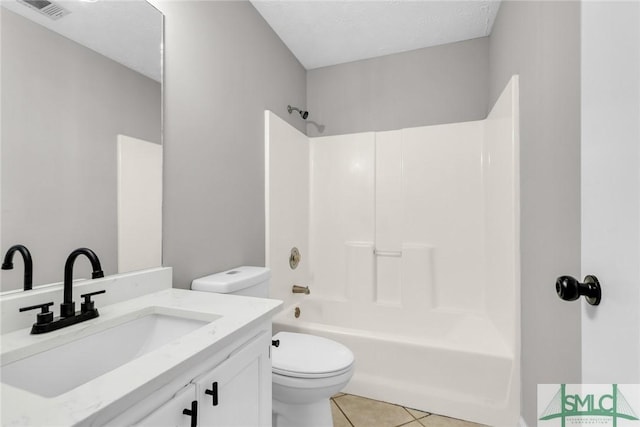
427, 414
333, 398
340, 409
422, 418
414, 417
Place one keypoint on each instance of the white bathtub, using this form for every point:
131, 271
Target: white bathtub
454, 364
409, 241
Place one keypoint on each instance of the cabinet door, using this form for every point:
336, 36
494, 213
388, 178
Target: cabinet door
237, 393
171, 414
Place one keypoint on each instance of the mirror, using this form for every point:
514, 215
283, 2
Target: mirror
81, 154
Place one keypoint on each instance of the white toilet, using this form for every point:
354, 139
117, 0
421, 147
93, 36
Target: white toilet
306, 369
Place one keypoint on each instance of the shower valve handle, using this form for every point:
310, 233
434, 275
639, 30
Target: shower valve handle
569, 289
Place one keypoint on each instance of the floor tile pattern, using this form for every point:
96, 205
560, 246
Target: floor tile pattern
355, 411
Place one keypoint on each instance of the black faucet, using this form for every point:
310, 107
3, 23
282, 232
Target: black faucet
68, 307
28, 264
68, 315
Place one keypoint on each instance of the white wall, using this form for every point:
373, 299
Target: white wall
611, 189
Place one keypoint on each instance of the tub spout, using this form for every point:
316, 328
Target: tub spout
297, 289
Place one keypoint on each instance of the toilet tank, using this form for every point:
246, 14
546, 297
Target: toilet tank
246, 280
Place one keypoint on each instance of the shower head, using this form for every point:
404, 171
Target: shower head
304, 114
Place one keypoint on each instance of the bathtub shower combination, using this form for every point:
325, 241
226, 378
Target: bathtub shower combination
409, 243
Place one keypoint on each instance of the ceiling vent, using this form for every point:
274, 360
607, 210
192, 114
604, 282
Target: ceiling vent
46, 8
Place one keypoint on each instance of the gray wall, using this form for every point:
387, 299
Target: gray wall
540, 41
223, 67
62, 108
435, 85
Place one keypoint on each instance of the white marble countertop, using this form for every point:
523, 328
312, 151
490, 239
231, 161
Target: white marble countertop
229, 315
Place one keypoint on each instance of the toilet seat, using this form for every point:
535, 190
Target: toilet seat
309, 356
308, 375
310, 386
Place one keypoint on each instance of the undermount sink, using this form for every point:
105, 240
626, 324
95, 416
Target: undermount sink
60, 369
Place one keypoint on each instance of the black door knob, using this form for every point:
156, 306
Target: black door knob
569, 289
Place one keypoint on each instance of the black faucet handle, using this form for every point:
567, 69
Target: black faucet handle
87, 297
89, 305
44, 307
45, 316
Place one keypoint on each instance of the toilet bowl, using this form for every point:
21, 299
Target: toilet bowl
306, 369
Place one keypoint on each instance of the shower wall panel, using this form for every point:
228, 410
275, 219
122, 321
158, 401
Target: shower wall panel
342, 213
413, 247
287, 204
502, 215
443, 209
388, 213
397, 217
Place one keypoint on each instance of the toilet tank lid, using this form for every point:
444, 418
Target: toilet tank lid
232, 280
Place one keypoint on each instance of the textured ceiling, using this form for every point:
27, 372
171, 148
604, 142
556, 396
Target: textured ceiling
128, 32
318, 32
322, 33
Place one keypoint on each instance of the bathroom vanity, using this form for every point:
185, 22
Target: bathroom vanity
167, 357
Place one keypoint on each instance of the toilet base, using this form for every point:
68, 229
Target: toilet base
316, 414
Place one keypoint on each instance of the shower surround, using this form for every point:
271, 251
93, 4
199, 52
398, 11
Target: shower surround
410, 246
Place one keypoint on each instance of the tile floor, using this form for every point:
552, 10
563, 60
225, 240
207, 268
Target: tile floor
355, 411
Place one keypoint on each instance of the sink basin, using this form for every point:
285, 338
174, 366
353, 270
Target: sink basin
58, 370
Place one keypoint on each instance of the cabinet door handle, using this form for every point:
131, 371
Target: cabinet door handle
213, 393
193, 413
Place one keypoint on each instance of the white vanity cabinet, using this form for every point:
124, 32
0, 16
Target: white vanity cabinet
171, 413
235, 392
155, 376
